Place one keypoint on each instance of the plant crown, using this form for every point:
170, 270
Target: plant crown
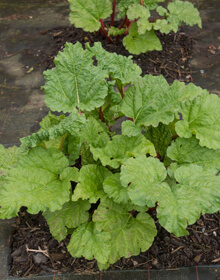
138, 24
100, 185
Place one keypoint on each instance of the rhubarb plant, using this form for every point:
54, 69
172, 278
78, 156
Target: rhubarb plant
135, 21
98, 186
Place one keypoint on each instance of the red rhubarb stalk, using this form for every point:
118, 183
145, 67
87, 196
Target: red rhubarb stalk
104, 31
113, 12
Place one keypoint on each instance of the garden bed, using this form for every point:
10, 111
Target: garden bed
35, 251
31, 232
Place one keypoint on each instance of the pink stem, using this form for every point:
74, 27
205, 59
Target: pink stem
104, 31
113, 13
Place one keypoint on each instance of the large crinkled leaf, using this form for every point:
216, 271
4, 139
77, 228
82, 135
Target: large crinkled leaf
73, 148
90, 186
137, 11
129, 128
129, 235
51, 120
75, 81
113, 187
151, 100
35, 183
160, 136
137, 43
88, 242
183, 11
72, 215
143, 177
8, 159
120, 68
201, 117
93, 133
87, 13
198, 192
120, 148
188, 151
123, 6
70, 124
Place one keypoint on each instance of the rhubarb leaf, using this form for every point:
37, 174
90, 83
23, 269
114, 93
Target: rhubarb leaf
201, 117
143, 176
72, 215
160, 136
115, 31
75, 81
112, 186
120, 68
94, 133
183, 11
90, 186
37, 179
87, 13
137, 11
176, 210
121, 148
86, 241
70, 124
129, 235
73, 148
129, 128
8, 159
151, 100
188, 151
137, 43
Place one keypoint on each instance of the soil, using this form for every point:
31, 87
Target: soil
172, 62
35, 251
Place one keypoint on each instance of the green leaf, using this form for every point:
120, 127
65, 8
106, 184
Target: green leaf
188, 151
129, 235
86, 155
51, 120
95, 134
143, 176
70, 124
8, 159
35, 183
198, 193
90, 186
183, 11
87, 13
121, 148
164, 26
86, 241
129, 128
72, 215
73, 148
137, 43
120, 68
137, 11
160, 136
201, 117
112, 186
75, 81
115, 31
152, 4
123, 6
151, 100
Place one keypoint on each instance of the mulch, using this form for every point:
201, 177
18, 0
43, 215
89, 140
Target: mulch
35, 251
